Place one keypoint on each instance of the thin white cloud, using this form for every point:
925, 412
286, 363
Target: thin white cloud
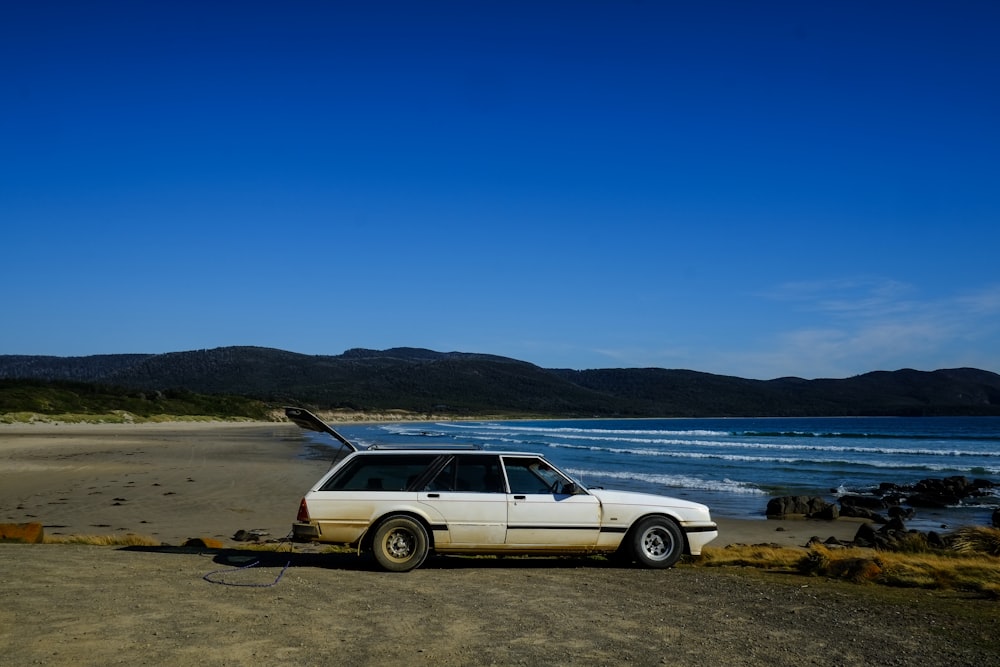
985, 301
824, 329
862, 325
847, 297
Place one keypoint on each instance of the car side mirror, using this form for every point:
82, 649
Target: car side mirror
570, 489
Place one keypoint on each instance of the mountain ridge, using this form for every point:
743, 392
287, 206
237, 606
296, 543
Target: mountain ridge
464, 383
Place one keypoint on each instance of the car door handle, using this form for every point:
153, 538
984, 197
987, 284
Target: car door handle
519, 497
433, 495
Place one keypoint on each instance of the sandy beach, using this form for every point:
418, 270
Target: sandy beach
92, 605
169, 481
175, 481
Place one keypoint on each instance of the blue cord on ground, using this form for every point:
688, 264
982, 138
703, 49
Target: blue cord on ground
209, 577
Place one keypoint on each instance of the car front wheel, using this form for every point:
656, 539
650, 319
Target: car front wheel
657, 542
400, 544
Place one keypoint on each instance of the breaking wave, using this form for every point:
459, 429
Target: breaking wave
673, 481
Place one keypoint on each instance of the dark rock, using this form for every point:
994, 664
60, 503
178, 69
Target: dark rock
865, 536
26, 533
935, 492
807, 506
894, 524
896, 512
202, 543
245, 536
935, 540
867, 502
862, 513
996, 518
894, 499
940, 492
980, 484
828, 513
937, 500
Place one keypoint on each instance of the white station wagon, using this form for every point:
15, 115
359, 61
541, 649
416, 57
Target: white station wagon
403, 503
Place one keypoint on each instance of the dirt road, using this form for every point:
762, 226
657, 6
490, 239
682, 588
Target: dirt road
85, 605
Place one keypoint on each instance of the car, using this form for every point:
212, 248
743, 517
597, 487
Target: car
403, 503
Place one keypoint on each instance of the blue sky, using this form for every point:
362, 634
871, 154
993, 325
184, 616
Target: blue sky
752, 189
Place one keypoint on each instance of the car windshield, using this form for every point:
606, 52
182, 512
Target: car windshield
533, 475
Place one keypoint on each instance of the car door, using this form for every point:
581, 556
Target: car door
541, 515
468, 493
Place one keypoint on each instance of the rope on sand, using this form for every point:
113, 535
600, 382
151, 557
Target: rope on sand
209, 577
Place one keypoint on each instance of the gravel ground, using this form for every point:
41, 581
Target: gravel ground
87, 605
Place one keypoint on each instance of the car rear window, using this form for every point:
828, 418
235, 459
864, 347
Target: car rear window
380, 473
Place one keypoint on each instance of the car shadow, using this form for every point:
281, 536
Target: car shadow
237, 557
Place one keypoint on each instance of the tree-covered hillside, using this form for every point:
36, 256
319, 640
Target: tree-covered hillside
463, 384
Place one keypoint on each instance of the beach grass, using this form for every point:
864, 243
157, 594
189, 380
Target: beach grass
126, 540
113, 417
977, 539
972, 565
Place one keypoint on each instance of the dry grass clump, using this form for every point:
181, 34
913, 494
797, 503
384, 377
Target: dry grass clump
126, 540
856, 565
942, 570
978, 539
763, 556
972, 566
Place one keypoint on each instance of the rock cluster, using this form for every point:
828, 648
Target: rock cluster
890, 501
888, 507
894, 536
935, 492
810, 507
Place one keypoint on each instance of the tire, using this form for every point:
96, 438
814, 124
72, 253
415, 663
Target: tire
657, 542
400, 544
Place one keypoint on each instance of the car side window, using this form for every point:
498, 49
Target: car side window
469, 474
380, 473
444, 480
531, 475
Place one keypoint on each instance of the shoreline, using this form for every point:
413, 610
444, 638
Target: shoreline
175, 481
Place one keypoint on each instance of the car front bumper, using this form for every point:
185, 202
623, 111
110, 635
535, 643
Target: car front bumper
699, 534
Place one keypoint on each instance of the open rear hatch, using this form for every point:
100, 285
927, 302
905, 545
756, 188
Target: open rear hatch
310, 422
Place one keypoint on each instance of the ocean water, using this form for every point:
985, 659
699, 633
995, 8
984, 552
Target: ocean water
736, 465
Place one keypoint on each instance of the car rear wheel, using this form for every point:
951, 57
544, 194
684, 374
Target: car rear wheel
400, 544
657, 542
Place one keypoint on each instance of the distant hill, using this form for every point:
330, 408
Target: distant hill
420, 380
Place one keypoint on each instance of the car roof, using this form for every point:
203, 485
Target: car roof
383, 450
420, 447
